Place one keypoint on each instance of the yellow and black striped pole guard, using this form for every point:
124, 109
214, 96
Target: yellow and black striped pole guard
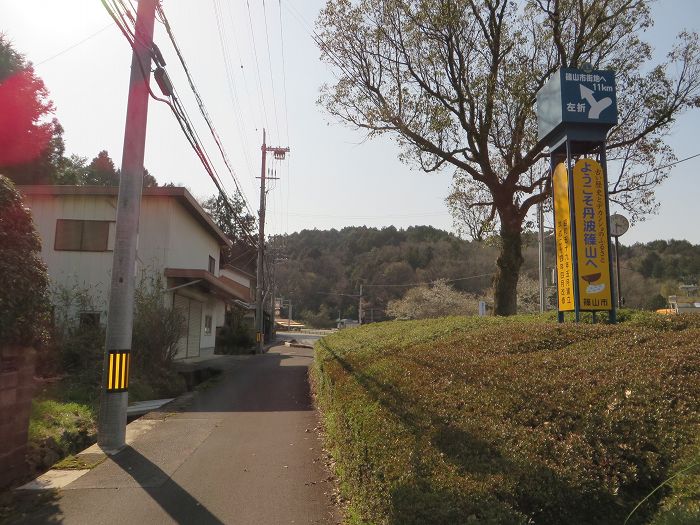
118, 378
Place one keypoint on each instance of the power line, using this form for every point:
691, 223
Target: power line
284, 74
286, 118
257, 64
431, 282
231, 84
73, 46
669, 165
272, 78
203, 109
240, 55
182, 118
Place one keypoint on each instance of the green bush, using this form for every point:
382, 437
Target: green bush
517, 420
157, 327
76, 348
234, 340
23, 299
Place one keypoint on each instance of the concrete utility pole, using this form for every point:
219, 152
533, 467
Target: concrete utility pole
359, 314
259, 321
115, 372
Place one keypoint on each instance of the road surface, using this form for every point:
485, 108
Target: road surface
245, 452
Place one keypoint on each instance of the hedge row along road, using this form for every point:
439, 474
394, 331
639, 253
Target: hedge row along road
520, 420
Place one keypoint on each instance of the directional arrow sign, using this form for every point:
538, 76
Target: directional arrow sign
588, 97
597, 106
576, 101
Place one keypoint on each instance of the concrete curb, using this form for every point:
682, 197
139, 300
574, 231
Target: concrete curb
58, 478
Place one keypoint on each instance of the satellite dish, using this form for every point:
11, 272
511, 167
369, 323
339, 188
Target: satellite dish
618, 225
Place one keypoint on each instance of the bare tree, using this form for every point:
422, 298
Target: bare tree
455, 82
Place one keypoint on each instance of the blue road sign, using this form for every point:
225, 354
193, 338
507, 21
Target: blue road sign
573, 98
588, 97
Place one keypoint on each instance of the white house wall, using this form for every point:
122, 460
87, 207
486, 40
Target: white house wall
169, 237
236, 277
73, 268
189, 244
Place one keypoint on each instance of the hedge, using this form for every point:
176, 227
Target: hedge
467, 420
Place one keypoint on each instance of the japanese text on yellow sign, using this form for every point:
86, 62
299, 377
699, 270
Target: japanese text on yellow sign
562, 231
591, 236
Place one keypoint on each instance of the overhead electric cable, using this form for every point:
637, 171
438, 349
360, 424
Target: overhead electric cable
73, 46
430, 282
272, 78
240, 120
183, 120
284, 75
203, 109
257, 64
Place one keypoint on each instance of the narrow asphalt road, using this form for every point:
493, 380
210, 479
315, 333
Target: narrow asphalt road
245, 452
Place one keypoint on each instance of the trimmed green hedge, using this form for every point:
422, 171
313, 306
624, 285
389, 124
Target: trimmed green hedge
519, 420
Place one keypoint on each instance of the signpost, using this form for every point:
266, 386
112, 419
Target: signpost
591, 237
562, 234
618, 226
575, 111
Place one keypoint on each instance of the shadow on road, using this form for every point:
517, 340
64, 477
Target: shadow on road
180, 505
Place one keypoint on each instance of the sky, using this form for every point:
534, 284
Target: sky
256, 66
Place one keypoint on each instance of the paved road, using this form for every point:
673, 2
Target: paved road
245, 452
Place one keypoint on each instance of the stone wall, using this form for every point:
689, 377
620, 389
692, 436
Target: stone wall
16, 390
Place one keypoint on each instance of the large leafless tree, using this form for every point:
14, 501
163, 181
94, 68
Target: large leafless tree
455, 82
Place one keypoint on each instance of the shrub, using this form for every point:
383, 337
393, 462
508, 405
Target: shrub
510, 420
234, 340
23, 299
157, 327
76, 347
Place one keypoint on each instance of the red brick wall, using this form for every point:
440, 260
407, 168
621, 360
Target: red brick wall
16, 390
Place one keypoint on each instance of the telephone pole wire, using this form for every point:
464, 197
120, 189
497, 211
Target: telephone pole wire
259, 310
120, 316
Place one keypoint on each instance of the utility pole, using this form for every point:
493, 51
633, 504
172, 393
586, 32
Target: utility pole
115, 371
359, 315
259, 321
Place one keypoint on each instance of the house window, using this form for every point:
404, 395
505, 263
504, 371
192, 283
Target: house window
82, 236
212, 264
207, 324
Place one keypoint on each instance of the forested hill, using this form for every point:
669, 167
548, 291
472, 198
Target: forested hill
324, 268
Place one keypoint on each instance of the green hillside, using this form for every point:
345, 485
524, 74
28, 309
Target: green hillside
324, 268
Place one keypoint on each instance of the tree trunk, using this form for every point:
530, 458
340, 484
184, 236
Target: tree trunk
509, 262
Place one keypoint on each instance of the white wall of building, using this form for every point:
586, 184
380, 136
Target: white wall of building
169, 237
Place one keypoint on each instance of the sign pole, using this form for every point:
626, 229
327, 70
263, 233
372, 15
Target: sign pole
572, 232
613, 291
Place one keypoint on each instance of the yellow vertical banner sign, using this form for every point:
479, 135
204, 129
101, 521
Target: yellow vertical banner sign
591, 236
562, 233
118, 378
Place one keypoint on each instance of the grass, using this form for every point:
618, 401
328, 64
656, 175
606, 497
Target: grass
518, 420
78, 463
64, 416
